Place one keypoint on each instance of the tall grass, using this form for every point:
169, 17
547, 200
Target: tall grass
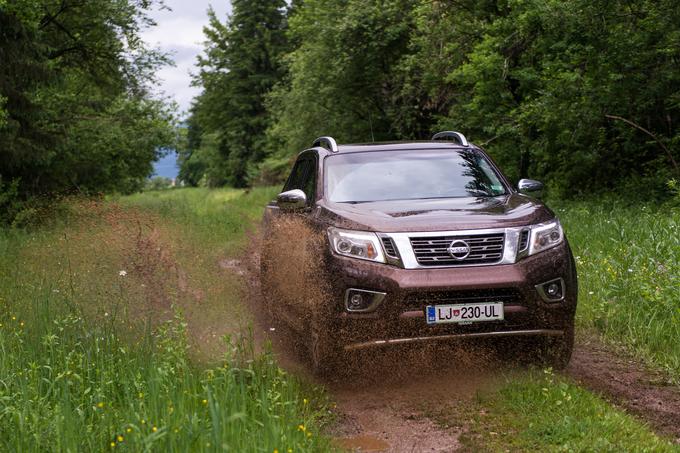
96, 339
628, 261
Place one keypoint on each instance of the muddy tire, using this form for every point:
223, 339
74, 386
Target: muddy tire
324, 353
556, 351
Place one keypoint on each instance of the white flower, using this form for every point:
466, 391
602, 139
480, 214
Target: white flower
106, 313
122, 273
272, 329
630, 270
591, 293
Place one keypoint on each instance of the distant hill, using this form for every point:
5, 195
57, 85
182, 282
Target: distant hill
167, 166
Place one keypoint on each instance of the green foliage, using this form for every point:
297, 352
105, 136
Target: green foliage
628, 260
76, 111
583, 94
240, 66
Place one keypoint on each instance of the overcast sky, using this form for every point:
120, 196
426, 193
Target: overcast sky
180, 33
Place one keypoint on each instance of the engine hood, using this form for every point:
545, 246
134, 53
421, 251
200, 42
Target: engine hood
436, 214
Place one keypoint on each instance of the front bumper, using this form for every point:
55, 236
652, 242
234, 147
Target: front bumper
400, 318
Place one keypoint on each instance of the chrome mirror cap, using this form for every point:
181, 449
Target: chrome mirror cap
292, 200
530, 187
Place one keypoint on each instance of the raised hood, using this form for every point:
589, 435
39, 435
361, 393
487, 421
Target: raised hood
436, 214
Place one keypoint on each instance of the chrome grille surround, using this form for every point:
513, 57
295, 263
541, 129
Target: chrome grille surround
409, 260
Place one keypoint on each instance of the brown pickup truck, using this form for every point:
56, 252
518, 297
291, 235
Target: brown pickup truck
378, 244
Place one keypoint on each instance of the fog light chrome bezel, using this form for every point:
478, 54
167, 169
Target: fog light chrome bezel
376, 299
540, 288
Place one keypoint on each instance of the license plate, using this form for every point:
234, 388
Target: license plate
464, 313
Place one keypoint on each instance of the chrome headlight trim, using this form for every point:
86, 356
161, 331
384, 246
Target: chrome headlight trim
363, 245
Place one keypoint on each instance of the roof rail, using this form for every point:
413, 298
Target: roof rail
326, 142
447, 135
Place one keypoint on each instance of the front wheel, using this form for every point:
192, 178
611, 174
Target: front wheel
325, 354
556, 351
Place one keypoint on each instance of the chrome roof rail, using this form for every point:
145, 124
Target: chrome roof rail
326, 142
447, 135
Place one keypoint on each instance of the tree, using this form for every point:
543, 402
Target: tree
239, 68
77, 111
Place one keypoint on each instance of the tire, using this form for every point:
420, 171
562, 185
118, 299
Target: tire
556, 351
324, 352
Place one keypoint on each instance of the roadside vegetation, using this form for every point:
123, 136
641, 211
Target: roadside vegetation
108, 317
628, 260
540, 411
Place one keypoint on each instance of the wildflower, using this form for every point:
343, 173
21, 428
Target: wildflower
591, 293
14, 318
630, 270
119, 438
113, 444
309, 434
154, 429
276, 451
122, 273
143, 422
106, 313
21, 324
129, 430
141, 395
305, 401
272, 329
100, 405
205, 401
290, 450
301, 428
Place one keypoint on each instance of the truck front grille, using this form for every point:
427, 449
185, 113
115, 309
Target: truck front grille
434, 251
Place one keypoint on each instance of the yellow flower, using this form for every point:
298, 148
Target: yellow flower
290, 450
119, 438
309, 434
141, 395
143, 422
21, 324
301, 428
276, 451
129, 430
305, 401
14, 318
154, 429
100, 405
113, 444
205, 401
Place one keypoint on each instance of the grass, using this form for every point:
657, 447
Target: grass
539, 411
102, 315
120, 330
628, 261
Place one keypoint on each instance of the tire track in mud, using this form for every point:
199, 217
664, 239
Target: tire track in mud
385, 398
627, 384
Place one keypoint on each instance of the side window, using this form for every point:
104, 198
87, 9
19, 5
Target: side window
303, 177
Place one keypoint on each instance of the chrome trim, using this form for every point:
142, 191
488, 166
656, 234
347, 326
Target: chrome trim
291, 200
402, 242
330, 141
509, 333
378, 297
545, 297
448, 134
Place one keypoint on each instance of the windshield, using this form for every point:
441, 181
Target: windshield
409, 175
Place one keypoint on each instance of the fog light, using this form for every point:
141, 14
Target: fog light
551, 291
362, 300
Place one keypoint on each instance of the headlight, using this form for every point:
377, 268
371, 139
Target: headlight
545, 236
356, 244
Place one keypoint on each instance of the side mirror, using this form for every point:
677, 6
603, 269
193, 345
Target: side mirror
292, 200
530, 187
